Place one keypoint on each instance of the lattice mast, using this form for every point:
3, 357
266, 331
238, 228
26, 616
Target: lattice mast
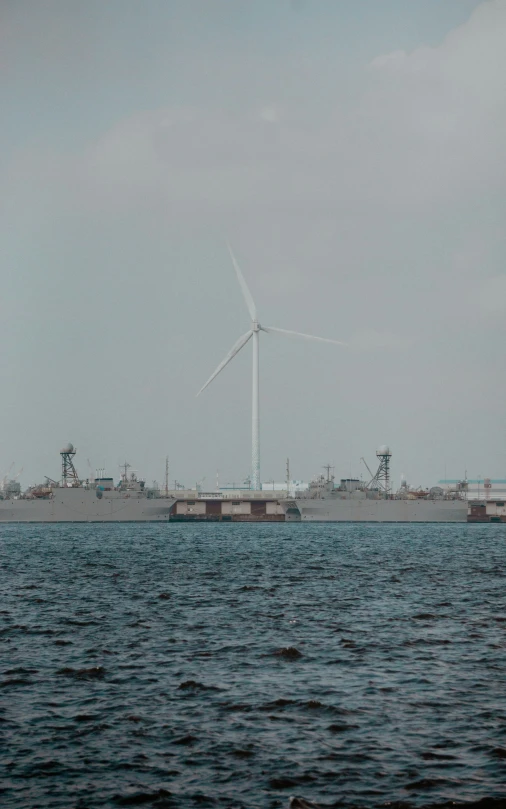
69, 476
382, 476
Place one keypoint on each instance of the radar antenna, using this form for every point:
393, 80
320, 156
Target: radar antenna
69, 476
382, 476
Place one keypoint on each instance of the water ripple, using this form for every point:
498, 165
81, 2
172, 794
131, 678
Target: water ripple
252, 666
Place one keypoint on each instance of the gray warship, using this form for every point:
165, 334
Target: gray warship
355, 501
94, 500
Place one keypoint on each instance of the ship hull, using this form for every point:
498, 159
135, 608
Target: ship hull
83, 505
365, 510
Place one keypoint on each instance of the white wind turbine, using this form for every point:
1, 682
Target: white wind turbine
254, 332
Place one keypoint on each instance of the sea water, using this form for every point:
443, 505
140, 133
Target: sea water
237, 665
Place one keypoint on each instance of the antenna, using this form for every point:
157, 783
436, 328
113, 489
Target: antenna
125, 466
166, 476
69, 476
367, 467
382, 475
329, 468
287, 475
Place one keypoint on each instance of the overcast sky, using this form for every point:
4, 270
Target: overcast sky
353, 152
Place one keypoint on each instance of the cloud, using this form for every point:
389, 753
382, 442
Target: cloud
395, 61
447, 122
367, 207
372, 340
270, 113
492, 295
427, 128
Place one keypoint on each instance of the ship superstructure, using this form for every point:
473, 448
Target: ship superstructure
354, 500
94, 500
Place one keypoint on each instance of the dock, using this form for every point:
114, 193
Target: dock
241, 506
487, 511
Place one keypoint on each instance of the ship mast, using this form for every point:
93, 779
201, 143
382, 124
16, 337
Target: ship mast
329, 468
69, 476
125, 467
382, 476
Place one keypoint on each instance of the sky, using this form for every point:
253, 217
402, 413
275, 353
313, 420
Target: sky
353, 153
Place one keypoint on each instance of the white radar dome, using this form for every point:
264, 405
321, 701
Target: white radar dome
68, 448
383, 450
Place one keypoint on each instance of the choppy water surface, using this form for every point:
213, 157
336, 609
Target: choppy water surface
236, 665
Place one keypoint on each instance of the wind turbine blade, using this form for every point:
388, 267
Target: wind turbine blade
230, 356
250, 303
270, 329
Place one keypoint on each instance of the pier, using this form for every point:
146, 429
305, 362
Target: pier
243, 506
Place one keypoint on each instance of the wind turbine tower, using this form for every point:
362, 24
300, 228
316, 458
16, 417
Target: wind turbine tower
254, 333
